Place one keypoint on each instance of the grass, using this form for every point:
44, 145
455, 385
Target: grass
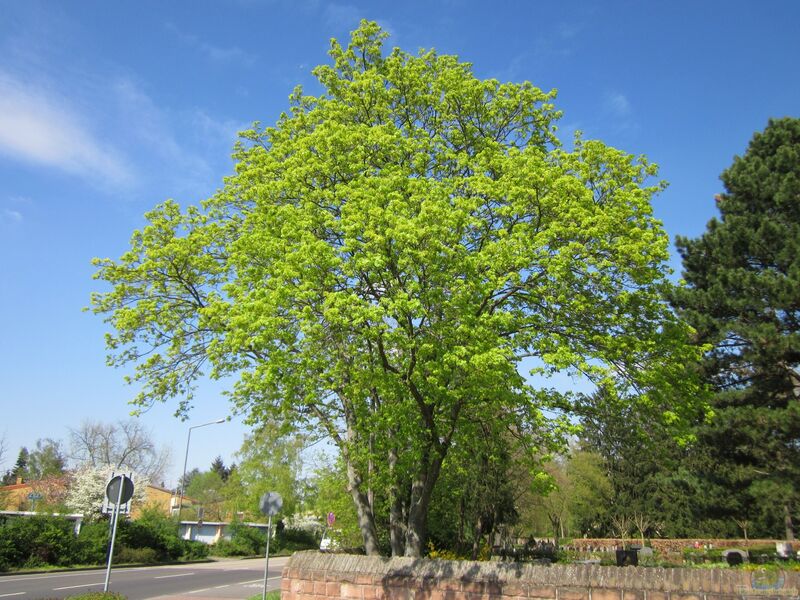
273, 595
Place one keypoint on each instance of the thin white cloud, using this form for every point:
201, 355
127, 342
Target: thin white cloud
618, 104
216, 133
219, 54
13, 216
183, 147
40, 127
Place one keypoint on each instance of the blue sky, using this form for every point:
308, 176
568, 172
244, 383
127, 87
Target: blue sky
109, 108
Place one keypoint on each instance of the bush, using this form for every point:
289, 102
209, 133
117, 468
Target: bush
244, 541
37, 541
98, 596
152, 530
93, 543
125, 555
295, 539
194, 550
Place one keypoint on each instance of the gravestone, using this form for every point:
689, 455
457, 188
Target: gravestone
784, 550
734, 557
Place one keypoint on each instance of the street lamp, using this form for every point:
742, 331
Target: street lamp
186, 459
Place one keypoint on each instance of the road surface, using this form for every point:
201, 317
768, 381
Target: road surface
227, 579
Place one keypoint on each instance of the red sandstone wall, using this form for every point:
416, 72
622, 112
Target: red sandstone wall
317, 576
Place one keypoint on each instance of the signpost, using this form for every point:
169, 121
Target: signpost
271, 504
34, 497
118, 490
325, 542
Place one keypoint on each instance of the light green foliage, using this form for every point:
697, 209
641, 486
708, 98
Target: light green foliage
206, 489
571, 497
269, 461
329, 482
46, 460
384, 257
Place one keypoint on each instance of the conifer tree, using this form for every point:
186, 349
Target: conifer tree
742, 295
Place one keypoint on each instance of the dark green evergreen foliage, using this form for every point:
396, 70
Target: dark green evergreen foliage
742, 295
649, 472
19, 469
218, 466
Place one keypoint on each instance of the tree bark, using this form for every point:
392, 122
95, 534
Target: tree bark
366, 518
787, 520
396, 539
421, 489
476, 539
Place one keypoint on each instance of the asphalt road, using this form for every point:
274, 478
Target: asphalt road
229, 579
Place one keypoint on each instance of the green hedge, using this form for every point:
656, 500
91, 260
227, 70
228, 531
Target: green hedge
29, 542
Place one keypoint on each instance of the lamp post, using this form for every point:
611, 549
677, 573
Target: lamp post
186, 459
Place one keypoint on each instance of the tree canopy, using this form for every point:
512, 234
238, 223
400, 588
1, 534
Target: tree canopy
742, 295
383, 259
126, 444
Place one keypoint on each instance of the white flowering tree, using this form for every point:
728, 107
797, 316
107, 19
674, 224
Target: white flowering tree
88, 490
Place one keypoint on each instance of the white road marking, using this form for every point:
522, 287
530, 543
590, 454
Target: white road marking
62, 574
217, 587
14, 594
198, 591
72, 587
168, 576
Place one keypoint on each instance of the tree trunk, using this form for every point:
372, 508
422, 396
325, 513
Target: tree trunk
787, 520
477, 538
555, 522
416, 529
366, 518
462, 509
421, 489
396, 539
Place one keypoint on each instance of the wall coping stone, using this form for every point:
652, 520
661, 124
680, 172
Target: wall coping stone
426, 572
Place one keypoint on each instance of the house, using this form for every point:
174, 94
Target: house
52, 491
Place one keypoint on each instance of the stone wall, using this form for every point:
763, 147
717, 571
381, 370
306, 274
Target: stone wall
318, 576
666, 545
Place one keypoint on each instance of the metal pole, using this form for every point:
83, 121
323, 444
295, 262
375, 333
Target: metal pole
266, 566
114, 532
186, 460
183, 478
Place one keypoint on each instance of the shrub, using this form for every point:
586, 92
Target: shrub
124, 555
294, 539
244, 541
36, 541
194, 550
93, 543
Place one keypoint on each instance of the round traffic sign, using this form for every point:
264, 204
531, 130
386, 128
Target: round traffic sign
113, 491
271, 503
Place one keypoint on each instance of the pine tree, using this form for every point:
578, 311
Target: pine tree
218, 466
742, 295
20, 468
